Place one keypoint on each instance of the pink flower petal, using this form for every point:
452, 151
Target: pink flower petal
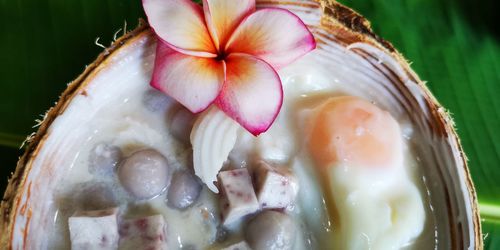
252, 94
181, 24
195, 82
223, 16
275, 35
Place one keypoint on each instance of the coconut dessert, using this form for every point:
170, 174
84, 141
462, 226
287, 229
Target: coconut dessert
244, 125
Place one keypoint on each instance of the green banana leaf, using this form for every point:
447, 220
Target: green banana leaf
454, 45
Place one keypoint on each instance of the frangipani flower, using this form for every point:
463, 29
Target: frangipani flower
225, 53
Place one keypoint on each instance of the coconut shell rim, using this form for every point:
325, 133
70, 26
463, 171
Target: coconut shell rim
335, 15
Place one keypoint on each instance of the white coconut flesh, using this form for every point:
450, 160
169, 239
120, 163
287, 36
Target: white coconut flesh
381, 208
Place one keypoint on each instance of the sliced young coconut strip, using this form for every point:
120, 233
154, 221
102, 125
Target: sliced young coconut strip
213, 137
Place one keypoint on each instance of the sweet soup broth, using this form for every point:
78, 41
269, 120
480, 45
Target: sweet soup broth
340, 203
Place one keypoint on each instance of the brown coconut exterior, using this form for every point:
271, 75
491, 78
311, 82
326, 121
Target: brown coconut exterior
336, 17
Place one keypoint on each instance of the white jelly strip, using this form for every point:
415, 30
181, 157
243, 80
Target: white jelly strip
213, 137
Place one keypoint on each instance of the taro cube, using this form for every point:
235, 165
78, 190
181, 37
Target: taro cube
95, 229
275, 187
238, 196
242, 245
143, 233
